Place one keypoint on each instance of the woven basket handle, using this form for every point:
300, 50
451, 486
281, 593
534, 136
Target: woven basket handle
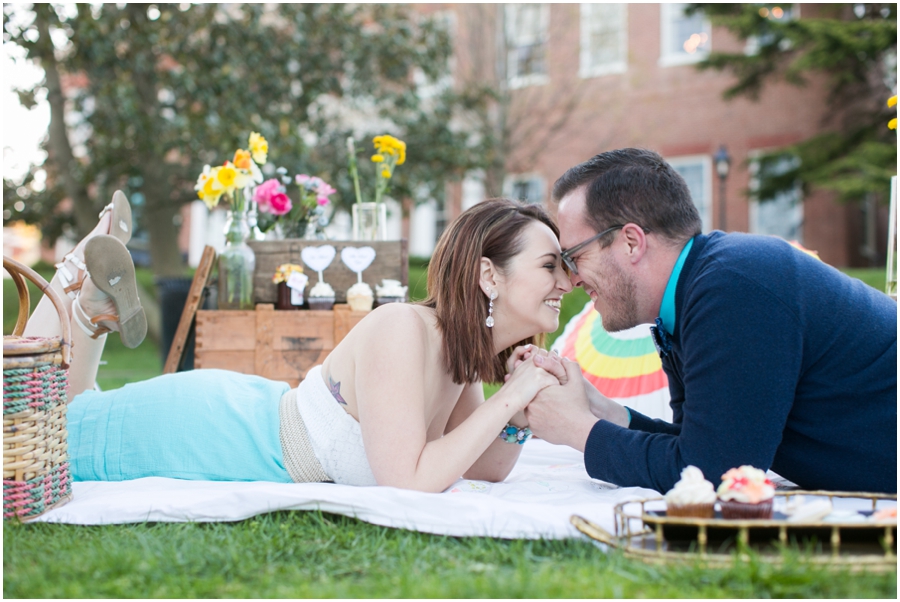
17, 271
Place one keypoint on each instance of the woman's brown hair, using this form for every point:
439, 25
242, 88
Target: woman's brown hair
492, 229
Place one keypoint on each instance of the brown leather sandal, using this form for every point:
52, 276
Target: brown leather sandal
112, 272
72, 275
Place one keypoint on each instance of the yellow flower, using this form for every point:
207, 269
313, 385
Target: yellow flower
893, 123
208, 188
284, 271
242, 159
209, 195
388, 145
385, 173
259, 148
377, 158
226, 176
892, 101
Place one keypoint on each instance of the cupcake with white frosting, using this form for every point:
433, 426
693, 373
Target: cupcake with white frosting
693, 496
390, 291
321, 296
360, 297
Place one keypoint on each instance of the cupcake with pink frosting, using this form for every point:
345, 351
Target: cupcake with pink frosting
746, 492
693, 496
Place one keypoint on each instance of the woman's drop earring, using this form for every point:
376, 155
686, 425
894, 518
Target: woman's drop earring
489, 322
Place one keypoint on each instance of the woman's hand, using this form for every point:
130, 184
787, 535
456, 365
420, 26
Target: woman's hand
549, 361
529, 379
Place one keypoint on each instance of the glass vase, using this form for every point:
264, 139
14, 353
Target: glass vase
369, 221
236, 264
294, 229
253, 222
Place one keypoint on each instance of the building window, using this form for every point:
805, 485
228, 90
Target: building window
604, 43
781, 214
697, 173
526, 44
774, 14
684, 39
524, 187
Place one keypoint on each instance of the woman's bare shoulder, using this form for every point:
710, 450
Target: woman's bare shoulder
400, 321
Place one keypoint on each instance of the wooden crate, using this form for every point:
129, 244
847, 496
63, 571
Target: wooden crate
391, 261
280, 345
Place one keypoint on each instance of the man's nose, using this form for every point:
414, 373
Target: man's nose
574, 279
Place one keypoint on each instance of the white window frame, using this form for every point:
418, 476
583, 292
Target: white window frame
535, 181
706, 164
473, 190
667, 13
585, 68
754, 208
531, 79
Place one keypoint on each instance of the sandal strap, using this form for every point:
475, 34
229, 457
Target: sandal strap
70, 280
104, 318
73, 288
95, 329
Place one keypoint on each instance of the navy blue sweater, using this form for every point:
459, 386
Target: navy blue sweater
778, 361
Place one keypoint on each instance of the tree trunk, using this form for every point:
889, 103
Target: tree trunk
61, 155
165, 256
161, 209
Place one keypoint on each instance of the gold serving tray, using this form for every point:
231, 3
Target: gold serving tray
650, 535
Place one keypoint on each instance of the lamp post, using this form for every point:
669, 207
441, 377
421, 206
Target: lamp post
723, 164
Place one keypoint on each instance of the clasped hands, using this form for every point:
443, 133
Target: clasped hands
564, 409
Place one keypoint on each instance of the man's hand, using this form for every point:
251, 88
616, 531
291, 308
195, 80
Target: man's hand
562, 414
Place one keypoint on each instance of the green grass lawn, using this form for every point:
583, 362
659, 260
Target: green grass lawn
309, 554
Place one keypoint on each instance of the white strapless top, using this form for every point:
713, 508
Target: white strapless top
335, 435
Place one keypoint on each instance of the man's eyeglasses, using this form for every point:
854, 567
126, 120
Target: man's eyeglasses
566, 255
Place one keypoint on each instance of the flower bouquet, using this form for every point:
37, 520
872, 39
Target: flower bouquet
370, 218
300, 219
231, 180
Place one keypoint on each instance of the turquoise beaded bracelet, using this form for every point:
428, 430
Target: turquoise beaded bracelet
514, 434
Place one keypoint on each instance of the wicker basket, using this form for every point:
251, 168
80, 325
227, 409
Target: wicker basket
35, 374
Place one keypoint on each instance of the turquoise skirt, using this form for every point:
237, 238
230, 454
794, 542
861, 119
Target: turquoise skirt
207, 425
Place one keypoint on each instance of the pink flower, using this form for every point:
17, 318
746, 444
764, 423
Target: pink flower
313, 185
324, 190
271, 198
280, 203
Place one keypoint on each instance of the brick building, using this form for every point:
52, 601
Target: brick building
582, 79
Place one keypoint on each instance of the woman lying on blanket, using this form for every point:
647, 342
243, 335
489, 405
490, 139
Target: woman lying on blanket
398, 402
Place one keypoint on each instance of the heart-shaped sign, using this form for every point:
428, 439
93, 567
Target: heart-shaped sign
318, 258
357, 258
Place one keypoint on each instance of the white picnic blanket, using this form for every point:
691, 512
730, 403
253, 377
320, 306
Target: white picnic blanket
548, 485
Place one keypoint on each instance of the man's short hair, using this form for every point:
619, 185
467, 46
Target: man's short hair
633, 185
